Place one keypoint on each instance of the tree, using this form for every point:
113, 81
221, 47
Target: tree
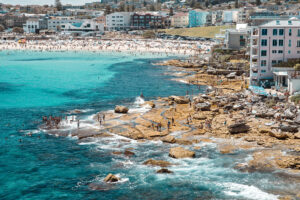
1, 28
192, 3
206, 4
258, 2
58, 5
171, 13
17, 30
107, 10
152, 7
236, 5
122, 7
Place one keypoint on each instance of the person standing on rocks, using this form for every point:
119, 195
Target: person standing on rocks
78, 123
169, 123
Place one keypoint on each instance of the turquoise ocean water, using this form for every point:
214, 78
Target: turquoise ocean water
34, 84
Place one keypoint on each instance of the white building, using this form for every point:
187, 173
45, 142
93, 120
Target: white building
84, 28
180, 20
118, 21
56, 22
34, 25
237, 38
272, 43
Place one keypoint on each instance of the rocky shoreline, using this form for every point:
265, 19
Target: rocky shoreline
268, 126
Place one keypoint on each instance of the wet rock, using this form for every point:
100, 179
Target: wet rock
100, 187
179, 100
110, 178
121, 109
203, 106
226, 149
117, 153
160, 163
289, 128
169, 139
184, 141
279, 136
150, 103
179, 152
164, 171
239, 127
128, 153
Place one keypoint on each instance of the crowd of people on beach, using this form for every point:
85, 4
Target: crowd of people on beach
134, 46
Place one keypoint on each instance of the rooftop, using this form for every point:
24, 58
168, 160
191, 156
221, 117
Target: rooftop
282, 23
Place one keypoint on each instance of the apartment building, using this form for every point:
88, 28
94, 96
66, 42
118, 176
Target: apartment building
180, 20
197, 18
34, 25
84, 28
55, 23
118, 21
272, 43
146, 21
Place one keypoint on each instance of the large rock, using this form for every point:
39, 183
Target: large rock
239, 127
169, 139
179, 152
179, 100
199, 117
160, 163
288, 128
203, 106
279, 136
110, 178
297, 135
128, 153
164, 171
121, 109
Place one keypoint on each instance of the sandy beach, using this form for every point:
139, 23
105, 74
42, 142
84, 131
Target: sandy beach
136, 46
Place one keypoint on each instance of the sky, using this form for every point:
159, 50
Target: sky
43, 2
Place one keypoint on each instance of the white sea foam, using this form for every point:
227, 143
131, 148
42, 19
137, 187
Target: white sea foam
246, 191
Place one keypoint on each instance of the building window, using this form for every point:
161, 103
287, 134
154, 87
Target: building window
279, 61
264, 32
263, 63
264, 53
298, 32
264, 42
290, 32
281, 31
280, 43
289, 51
274, 43
290, 43
298, 43
280, 51
274, 62
263, 71
298, 52
274, 51
274, 31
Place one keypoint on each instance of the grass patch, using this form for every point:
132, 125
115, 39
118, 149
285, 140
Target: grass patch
206, 32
